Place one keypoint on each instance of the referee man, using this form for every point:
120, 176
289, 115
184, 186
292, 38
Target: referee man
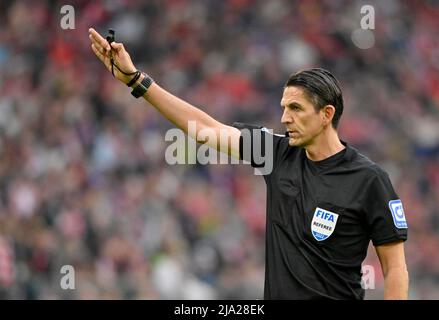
325, 200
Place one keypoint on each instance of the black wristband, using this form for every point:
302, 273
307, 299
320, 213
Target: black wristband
134, 79
141, 89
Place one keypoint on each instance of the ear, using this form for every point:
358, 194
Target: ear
327, 113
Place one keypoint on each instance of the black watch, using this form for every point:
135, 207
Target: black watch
143, 86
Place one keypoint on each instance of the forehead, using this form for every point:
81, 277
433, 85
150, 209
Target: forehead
293, 94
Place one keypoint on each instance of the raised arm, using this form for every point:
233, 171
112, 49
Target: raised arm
174, 109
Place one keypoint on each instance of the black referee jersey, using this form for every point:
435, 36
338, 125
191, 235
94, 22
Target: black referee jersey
321, 216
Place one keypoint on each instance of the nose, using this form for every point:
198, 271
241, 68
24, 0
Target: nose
286, 117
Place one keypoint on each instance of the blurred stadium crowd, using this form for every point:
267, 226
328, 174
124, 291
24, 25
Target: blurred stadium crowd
83, 180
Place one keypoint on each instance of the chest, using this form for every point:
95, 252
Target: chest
319, 206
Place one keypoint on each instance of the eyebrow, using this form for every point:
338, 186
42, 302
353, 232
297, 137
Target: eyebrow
292, 104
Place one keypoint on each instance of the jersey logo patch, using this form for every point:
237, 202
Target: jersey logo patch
398, 214
323, 224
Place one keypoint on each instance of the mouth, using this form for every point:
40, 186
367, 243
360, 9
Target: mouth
292, 132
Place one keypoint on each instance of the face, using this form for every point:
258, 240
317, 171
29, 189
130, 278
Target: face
302, 122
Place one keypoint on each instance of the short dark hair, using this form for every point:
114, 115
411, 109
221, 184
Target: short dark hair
321, 88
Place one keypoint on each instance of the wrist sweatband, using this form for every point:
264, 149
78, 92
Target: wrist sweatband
141, 89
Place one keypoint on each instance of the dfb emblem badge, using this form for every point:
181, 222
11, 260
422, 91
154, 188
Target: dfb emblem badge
323, 224
398, 214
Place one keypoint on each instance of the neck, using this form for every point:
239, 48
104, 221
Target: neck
326, 144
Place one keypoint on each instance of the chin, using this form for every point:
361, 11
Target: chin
296, 142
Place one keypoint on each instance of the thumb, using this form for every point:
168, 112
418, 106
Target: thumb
117, 46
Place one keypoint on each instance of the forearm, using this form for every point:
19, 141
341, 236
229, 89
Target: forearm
396, 283
178, 111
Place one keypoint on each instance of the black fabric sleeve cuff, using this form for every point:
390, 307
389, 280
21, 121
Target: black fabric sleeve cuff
241, 126
391, 239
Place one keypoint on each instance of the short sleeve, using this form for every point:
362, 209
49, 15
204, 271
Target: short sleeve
259, 147
384, 212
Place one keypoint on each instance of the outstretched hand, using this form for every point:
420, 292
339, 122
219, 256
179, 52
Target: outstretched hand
121, 58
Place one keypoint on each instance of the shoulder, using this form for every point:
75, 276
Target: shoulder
251, 133
251, 129
362, 164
